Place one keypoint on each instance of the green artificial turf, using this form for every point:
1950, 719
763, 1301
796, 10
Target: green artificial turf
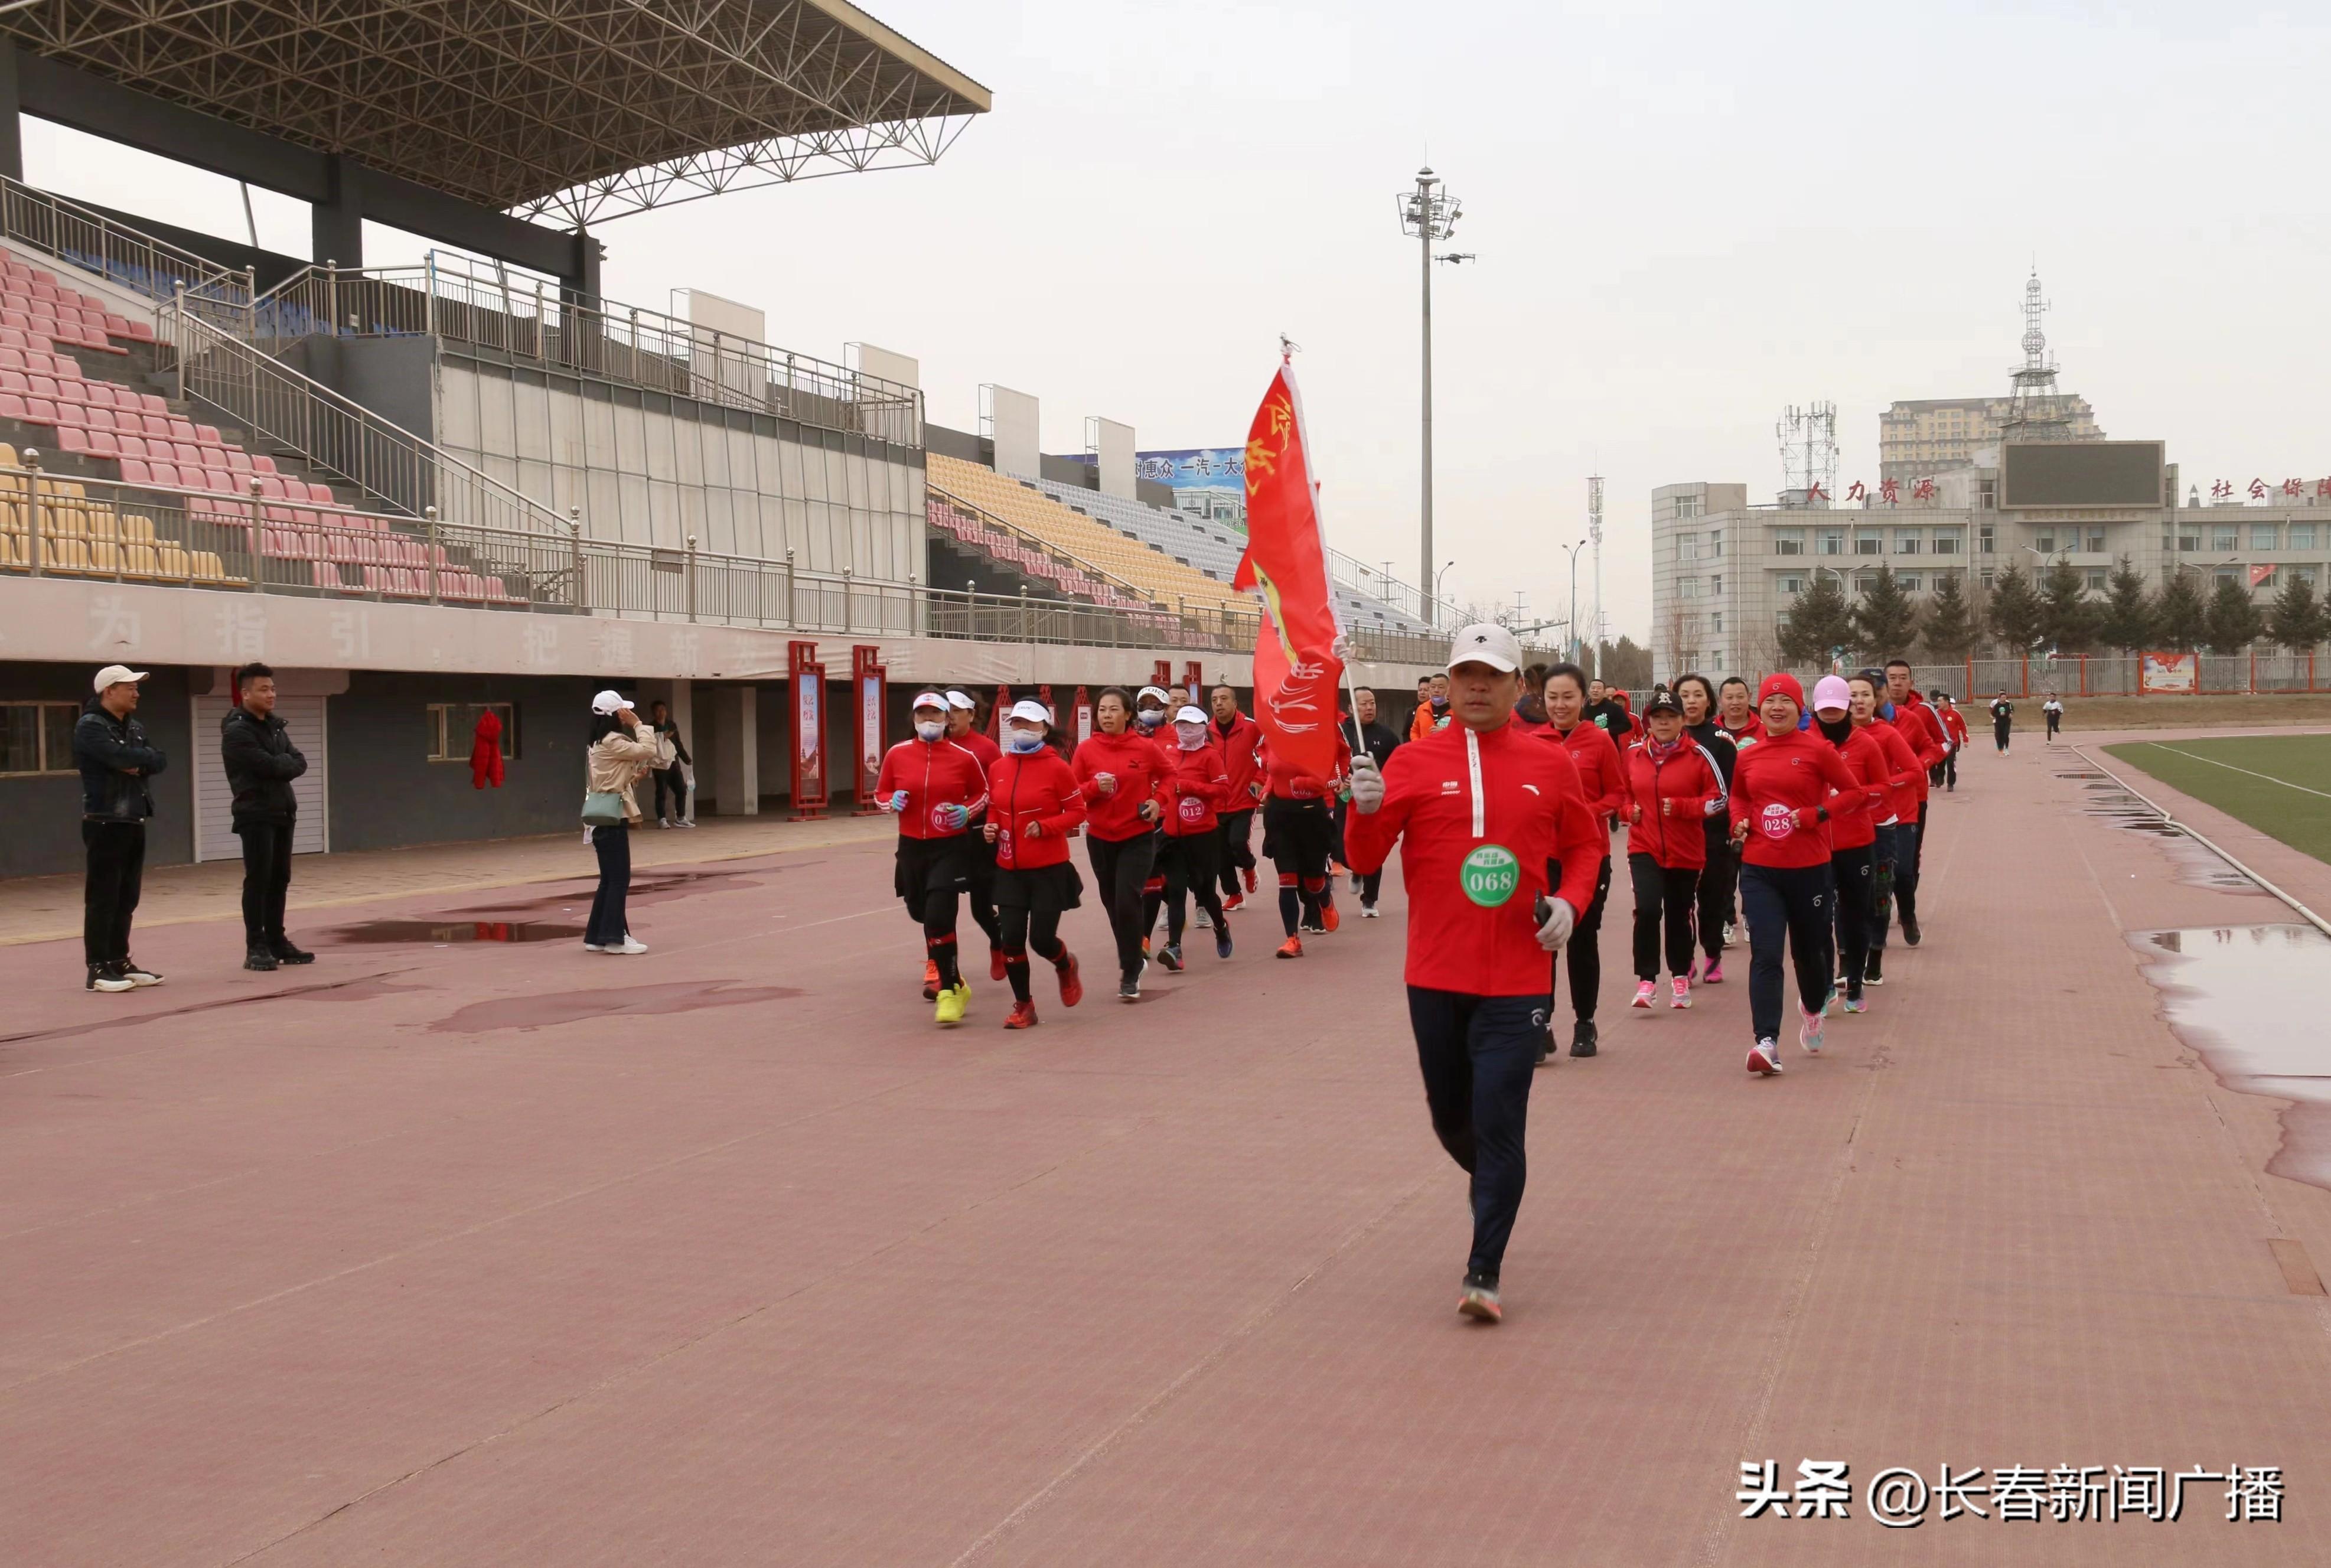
2279, 783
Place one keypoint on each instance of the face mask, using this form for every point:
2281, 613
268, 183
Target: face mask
1192, 735
1837, 729
1150, 717
1020, 742
931, 730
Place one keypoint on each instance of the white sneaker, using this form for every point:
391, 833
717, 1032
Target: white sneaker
662, 822
688, 823
592, 947
1764, 1059
630, 944
1367, 911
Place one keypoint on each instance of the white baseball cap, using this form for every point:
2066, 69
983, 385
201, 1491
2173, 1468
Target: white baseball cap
930, 699
1157, 691
962, 700
114, 674
1485, 643
1191, 715
1034, 712
610, 703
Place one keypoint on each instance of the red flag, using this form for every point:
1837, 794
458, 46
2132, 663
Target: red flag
1296, 664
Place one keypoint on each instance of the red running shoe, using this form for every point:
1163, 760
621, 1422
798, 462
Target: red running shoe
1291, 948
996, 970
1235, 901
930, 979
1329, 918
1073, 986
1023, 1016
1248, 874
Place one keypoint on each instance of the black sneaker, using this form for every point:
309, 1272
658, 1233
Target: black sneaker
1480, 1298
137, 974
107, 977
285, 952
1170, 956
1583, 1044
258, 958
1129, 988
1221, 941
1910, 930
1876, 974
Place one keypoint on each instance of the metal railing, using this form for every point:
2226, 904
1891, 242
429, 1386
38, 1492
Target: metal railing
271, 401
1022, 537
530, 320
155, 268
2260, 672
92, 530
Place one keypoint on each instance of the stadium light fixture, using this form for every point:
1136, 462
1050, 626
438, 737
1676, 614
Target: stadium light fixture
1429, 213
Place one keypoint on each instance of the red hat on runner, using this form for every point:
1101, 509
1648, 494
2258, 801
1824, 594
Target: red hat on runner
1786, 685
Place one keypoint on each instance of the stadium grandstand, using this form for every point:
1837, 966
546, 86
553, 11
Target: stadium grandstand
477, 484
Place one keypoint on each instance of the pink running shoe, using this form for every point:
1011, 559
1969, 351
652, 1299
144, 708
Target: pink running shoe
1764, 1059
1644, 992
1810, 1036
1715, 975
1694, 975
1682, 997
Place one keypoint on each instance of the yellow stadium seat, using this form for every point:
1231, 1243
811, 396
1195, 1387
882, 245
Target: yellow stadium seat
140, 560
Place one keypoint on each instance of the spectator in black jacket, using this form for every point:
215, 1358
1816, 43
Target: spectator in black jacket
1363, 732
675, 777
260, 763
115, 758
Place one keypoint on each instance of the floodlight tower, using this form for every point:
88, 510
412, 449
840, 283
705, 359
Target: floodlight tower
2034, 411
1594, 532
1430, 213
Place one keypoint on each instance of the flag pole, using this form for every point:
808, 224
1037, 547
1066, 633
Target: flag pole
1288, 349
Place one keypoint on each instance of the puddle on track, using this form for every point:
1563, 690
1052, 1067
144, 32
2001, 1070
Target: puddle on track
445, 932
558, 1007
2196, 867
2248, 999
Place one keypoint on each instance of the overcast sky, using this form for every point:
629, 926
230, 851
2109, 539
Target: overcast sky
1688, 215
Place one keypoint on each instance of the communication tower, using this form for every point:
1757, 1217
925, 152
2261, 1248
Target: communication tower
1808, 439
2035, 410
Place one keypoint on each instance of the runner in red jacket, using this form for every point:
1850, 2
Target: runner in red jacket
1123, 776
1239, 737
1853, 837
1196, 793
1932, 743
1605, 780
1780, 806
1673, 786
1479, 809
1034, 805
963, 728
1954, 726
1297, 827
1901, 803
936, 787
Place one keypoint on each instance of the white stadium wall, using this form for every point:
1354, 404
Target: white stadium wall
1113, 443
1017, 446
713, 319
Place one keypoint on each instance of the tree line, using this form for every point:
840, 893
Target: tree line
2023, 614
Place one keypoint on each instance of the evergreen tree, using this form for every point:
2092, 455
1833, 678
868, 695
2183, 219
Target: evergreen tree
2125, 618
2234, 621
2067, 619
2180, 614
2297, 619
1886, 619
1819, 619
1950, 631
1624, 663
2017, 616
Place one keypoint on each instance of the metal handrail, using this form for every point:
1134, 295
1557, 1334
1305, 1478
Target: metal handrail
78, 236
534, 320
269, 399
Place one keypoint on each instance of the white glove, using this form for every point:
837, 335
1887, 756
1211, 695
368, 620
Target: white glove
1367, 785
1556, 929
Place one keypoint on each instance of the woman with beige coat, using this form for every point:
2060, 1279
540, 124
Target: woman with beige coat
625, 748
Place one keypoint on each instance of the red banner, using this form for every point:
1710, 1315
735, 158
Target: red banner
2260, 574
1296, 665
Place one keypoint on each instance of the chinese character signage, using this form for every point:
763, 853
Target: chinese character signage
1210, 482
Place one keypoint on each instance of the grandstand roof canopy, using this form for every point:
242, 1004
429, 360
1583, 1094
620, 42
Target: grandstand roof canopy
576, 110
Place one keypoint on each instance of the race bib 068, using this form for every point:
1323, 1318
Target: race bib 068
1489, 875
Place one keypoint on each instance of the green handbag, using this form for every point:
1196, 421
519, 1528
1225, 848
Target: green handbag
603, 809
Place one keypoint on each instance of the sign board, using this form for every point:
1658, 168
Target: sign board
808, 678
1084, 719
868, 678
2169, 673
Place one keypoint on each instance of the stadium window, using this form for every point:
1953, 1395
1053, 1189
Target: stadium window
1908, 582
1716, 587
2225, 537
1831, 542
1788, 541
1987, 494
2096, 542
1869, 542
1716, 543
1986, 578
2045, 543
1687, 588
1906, 541
1793, 587
453, 726
1987, 539
36, 737
2191, 541
2225, 576
1687, 506
1716, 620
2262, 536
2302, 536
1687, 546
1945, 542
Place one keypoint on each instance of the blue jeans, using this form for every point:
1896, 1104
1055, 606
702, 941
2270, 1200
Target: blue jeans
1791, 905
606, 927
1477, 1055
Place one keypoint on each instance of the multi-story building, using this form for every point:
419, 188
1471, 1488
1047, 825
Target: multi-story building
1725, 572
1922, 436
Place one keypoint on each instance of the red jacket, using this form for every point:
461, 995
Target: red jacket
933, 773
1286, 784
1954, 724
1239, 738
486, 752
1866, 756
1903, 775
1776, 787
1529, 810
1602, 773
981, 745
1689, 786
1141, 771
1928, 742
1033, 787
1200, 787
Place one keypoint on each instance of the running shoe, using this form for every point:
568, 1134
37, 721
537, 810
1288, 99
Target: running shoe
1072, 986
1715, 975
1129, 988
1583, 1044
1479, 1299
1856, 1005
260, 959
1222, 942
1694, 975
629, 944
952, 1002
1367, 911
930, 979
1873, 976
1644, 992
1544, 1045
285, 950
1809, 1035
1328, 920
1248, 874
1201, 920
1235, 901
1144, 946
1291, 948
137, 974
107, 977
1828, 1002
996, 970
1023, 1016
1682, 997
1764, 1059
1312, 928
1730, 930
1910, 930
1170, 956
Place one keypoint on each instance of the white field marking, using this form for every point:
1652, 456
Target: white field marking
2230, 767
